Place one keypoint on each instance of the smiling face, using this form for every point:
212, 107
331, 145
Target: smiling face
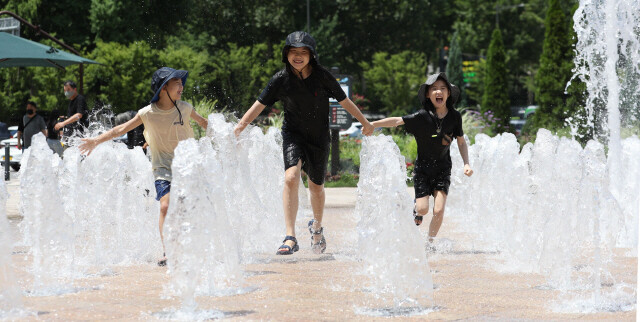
299, 57
174, 88
438, 94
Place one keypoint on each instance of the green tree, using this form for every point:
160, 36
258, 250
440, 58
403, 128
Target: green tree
454, 68
495, 100
237, 75
556, 64
393, 81
124, 79
522, 30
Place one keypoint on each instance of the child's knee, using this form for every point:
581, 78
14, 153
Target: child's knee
316, 189
422, 208
438, 211
292, 178
164, 207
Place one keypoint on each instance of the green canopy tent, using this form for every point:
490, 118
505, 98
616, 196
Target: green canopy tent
20, 52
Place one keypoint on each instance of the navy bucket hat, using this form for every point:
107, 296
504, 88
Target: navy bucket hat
300, 39
454, 91
162, 76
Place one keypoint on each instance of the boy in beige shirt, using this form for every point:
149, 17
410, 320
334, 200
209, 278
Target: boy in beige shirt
166, 122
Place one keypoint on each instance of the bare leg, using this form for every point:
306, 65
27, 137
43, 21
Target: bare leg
422, 208
290, 199
438, 213
164, 206
317, 204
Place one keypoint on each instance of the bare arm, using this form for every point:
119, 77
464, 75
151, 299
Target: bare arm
19, 140
464, 153
203, 122
248, 117
45, 132
89, 144
72, 119
389, 122
347, 104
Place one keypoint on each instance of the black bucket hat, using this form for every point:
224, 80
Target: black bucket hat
162, 76
454, 91
300, 39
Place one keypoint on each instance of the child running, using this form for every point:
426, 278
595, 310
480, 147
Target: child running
304, 87
166, 122
434, 128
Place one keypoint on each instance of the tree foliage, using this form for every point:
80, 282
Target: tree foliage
454, 67
394, 81
556, 63
496, 96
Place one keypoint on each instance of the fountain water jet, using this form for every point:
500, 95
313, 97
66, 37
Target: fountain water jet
10, 294
390, 247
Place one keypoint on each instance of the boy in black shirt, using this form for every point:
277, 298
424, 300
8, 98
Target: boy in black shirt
304, 87
434, 128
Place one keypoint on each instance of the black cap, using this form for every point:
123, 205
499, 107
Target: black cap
453, 90
300, 39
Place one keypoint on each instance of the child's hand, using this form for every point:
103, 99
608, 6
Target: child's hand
88, 145
367, 128
238, 129
467, 170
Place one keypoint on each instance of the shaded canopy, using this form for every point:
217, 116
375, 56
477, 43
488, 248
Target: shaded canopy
19, 52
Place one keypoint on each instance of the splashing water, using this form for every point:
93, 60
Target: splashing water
549, 209
390, 247
46, 227
607, 61
10, 294
83, 214
201, 246
253, 176
225, 209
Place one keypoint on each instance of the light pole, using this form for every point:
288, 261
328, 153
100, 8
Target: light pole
500, 8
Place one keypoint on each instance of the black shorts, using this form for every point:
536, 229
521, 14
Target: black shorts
426, 183
314, 156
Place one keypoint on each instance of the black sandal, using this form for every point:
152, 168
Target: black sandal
320, 246
417, 219
163, 261
286, 249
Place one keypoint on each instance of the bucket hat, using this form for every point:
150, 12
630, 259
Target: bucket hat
453, 90
300, 39
162, 76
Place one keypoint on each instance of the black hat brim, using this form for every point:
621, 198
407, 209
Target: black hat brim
454, 91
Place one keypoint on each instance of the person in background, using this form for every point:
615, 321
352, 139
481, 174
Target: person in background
135, 137
31, 124
77, 112
53, 136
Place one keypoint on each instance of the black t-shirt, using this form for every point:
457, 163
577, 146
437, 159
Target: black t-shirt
306, 102
77, 105
135, 137
433, 147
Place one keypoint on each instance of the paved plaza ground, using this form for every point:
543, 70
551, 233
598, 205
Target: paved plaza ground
306, 286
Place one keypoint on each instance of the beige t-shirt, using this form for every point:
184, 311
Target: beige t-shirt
163, 131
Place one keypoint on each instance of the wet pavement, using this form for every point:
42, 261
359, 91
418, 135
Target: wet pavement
306, 286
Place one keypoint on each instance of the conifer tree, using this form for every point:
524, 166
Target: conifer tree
556, 63
495, 105
454, 67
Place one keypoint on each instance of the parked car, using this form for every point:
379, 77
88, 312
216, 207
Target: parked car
354, 131
15, 154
